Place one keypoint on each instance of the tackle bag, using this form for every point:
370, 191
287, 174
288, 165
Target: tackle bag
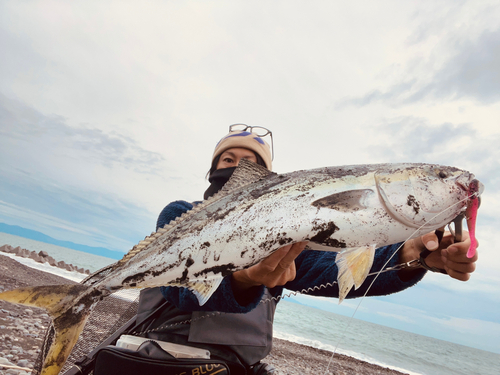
151, 359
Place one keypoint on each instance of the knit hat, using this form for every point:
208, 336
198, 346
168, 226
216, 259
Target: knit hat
246, 140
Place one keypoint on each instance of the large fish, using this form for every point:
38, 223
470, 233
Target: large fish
350, 210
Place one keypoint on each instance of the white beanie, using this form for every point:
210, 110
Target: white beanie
246, 140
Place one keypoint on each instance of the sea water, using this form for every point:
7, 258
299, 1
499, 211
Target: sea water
403, 351
387, 347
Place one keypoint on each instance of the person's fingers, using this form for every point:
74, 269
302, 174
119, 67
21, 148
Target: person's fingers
272, 261
285, 270
458, 253
277, 269
457, 275
460, 267
292, 253
456, 263
281, 277
429, 241
284, 257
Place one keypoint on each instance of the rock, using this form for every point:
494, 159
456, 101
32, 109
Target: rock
52, 261
61, 264
23, 363
5, 361
69, 267
87, 272
43, 254
6, 248
24, 253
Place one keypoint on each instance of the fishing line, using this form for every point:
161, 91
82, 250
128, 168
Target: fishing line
316, 288
379, 272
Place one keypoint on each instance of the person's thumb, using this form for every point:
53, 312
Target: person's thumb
430, 241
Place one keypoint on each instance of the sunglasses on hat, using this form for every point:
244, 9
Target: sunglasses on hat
259, 131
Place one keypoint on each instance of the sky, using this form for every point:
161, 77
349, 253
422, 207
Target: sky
109, 110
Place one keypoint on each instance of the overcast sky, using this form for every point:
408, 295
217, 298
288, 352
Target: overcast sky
111, 110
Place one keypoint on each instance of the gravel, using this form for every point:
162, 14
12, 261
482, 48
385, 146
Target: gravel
22, 330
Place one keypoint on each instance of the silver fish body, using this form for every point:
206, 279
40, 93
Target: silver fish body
335, 208
350, 210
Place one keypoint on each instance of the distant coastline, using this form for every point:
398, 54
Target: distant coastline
38, 236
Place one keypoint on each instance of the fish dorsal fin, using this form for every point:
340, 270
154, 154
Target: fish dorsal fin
246, 173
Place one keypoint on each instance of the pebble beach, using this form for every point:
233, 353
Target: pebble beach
22, 330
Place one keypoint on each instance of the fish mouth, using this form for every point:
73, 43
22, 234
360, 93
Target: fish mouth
473, 187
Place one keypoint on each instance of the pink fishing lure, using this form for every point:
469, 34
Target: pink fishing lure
471, 213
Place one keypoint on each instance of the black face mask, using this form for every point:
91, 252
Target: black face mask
217, 180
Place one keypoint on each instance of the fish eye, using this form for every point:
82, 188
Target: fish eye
442, 174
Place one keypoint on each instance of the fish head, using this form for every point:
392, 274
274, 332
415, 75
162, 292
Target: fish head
424, 195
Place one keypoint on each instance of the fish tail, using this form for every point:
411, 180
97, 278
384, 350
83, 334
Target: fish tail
69, 307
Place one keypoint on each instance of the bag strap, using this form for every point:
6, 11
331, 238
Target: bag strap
84, 365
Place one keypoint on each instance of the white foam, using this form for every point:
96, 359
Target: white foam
319, 345
71, 275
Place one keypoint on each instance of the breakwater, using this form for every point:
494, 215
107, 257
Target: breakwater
42, 257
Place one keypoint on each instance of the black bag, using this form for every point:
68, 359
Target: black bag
151, 359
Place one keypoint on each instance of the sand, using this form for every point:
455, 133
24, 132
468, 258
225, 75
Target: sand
23, 327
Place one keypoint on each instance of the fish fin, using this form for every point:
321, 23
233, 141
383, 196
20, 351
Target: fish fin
317, 246
203, 289
68, 305
345, 201
353, 267
245, 174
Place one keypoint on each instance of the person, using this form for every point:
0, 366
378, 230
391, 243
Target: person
234, 324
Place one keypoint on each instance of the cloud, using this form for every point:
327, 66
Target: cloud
472, 71
75, 183
416, 139
34, 133
83, 216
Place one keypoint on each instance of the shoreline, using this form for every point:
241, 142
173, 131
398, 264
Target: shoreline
286, 356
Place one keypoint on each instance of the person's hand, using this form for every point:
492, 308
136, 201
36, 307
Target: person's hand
447, 255
277, 269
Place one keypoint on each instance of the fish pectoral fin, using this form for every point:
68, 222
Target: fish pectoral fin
68, 305
353, 267
202, 289
346, 201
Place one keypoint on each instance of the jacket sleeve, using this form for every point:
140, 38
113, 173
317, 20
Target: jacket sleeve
315, 268
223, 298
171, 212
